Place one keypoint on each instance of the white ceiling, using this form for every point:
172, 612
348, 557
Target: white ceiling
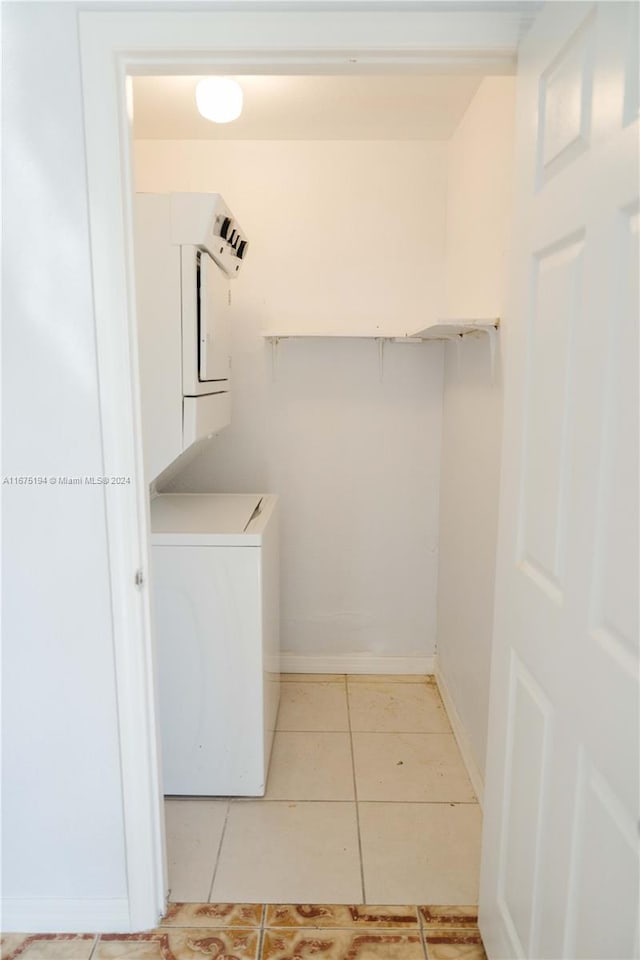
413, 107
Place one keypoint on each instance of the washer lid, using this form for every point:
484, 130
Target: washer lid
202, 513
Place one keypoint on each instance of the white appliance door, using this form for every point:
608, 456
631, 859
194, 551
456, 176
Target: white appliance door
214, 323
560, 845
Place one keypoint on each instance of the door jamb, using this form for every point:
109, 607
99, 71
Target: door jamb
113, 46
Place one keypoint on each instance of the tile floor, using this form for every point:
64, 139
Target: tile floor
209, 931
368, 801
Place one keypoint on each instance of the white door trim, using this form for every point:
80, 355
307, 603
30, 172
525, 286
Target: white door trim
363, 37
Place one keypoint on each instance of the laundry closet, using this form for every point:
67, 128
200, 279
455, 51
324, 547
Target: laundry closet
364, 389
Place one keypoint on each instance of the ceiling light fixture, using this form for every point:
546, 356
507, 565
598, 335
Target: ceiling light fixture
219, 99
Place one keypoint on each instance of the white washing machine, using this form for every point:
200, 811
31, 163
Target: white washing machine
216, 603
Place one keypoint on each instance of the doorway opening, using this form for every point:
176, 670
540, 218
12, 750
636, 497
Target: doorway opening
114, 285
342, 185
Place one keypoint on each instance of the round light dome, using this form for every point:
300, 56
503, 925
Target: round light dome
219, 99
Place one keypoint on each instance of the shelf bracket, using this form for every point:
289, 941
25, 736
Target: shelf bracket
492, 333
381, 341
274, 358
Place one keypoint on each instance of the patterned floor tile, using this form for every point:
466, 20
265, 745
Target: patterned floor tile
179, 944
341, 945
213, 915
9, 942
340, 915
46, 946
452, 935
441, 916
455, 949
449, 942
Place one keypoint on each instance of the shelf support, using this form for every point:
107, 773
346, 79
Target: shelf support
492, 333
274, 341
381, 341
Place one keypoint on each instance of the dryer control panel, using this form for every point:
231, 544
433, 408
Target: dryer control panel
205, 221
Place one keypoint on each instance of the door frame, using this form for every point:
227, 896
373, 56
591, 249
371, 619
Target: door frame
351, 37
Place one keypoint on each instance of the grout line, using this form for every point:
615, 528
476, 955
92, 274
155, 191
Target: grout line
278, 730
423, 939
424, 803
372, 678
95, 946
355, 792
263, 917
410, 931
424, 733
216, 864
423, 932
189, 926
454, 803
292, 678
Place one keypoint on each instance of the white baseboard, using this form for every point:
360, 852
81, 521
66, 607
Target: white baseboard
356, 663
459, 732
65, 916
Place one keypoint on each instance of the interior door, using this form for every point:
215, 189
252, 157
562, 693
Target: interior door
560, 845
214, 323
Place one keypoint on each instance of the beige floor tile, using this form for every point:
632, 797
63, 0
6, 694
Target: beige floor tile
310, 766
278, 852
313, 706
420, 852
385, 707
358, 916
46, 946
194, 829
213, 915
421, 767
179, 944
342, 945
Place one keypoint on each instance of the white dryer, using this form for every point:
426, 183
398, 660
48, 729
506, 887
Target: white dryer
216, 603
187, 248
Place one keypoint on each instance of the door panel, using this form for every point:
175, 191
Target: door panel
614, 615
556, 289
603, 881
529, 721
214, 323
560, 850
565, 103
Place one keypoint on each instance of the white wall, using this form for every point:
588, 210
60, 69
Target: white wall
62, 828
478, 219
344, 235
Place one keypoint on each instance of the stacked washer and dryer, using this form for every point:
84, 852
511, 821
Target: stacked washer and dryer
214, 556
